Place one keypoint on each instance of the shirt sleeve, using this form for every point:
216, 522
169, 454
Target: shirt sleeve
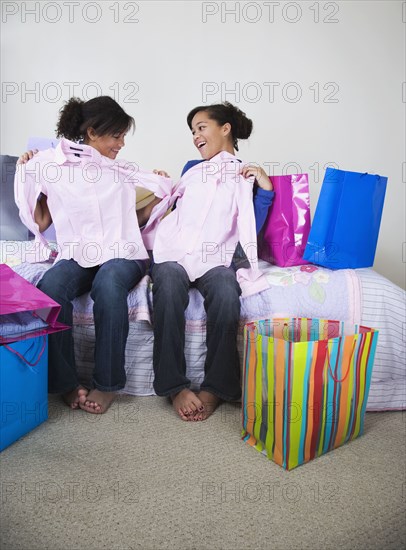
27, 188
136, 176
262, 201
250, 278
28, 185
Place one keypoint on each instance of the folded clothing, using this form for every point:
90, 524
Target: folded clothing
13, 325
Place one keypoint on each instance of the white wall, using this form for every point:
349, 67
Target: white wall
322, 81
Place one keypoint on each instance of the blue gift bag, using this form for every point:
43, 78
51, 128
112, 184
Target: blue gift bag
345, 227
23, 387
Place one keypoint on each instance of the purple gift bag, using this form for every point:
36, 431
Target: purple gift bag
284, 235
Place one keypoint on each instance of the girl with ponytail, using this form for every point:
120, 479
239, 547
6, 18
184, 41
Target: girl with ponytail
91, 199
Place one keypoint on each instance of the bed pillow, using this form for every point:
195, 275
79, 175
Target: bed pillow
11, 227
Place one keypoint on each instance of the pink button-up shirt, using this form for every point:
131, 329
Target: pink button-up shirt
92, 201
214, 211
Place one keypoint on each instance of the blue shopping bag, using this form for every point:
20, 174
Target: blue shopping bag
345, 228
23, 387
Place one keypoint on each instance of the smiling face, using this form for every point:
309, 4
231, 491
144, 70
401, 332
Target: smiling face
107, 145
209, 137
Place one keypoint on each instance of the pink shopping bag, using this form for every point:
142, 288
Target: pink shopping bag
25, 311
284, 235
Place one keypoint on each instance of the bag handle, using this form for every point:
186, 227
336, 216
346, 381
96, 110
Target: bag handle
44, 341
285, 326
378, 177
349, 364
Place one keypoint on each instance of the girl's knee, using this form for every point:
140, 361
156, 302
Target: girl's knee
169, 278
52, 286
226, 290
114, 280
108, 291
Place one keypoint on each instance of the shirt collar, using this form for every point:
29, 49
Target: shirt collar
225, 156
65, 150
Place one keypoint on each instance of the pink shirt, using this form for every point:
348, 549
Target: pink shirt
92, 201
214, 211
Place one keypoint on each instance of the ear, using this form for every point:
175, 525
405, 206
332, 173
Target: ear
226, 129
91, 134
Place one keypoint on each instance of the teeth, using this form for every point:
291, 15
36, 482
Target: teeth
201, 144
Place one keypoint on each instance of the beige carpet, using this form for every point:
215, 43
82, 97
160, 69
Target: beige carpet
137, 477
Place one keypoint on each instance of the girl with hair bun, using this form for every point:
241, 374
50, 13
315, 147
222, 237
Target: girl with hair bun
91, 199
212, 212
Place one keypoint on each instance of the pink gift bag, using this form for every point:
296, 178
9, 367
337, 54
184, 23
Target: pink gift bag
25, 311
283, 237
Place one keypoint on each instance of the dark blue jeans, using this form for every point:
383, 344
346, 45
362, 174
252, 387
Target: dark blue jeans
109, 285
221, 294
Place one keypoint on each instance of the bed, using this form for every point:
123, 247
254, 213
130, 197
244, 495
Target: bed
356, 297
359, 296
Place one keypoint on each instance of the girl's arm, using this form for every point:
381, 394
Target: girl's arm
144, 213
264, 195
42, 216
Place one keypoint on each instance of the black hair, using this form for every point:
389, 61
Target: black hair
102, 113
241, 125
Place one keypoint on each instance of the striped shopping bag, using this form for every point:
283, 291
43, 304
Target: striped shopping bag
305, 386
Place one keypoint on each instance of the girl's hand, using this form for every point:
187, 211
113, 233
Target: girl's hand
162, 173
259, 174
25, 157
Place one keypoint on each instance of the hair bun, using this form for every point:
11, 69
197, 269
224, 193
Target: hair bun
242, 125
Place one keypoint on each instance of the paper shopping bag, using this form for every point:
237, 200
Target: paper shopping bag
25, 311
23, 387
345, 228
283, 237
305, 386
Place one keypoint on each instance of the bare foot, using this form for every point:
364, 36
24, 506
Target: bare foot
186, 404
73, 397
210, 404
96, 401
